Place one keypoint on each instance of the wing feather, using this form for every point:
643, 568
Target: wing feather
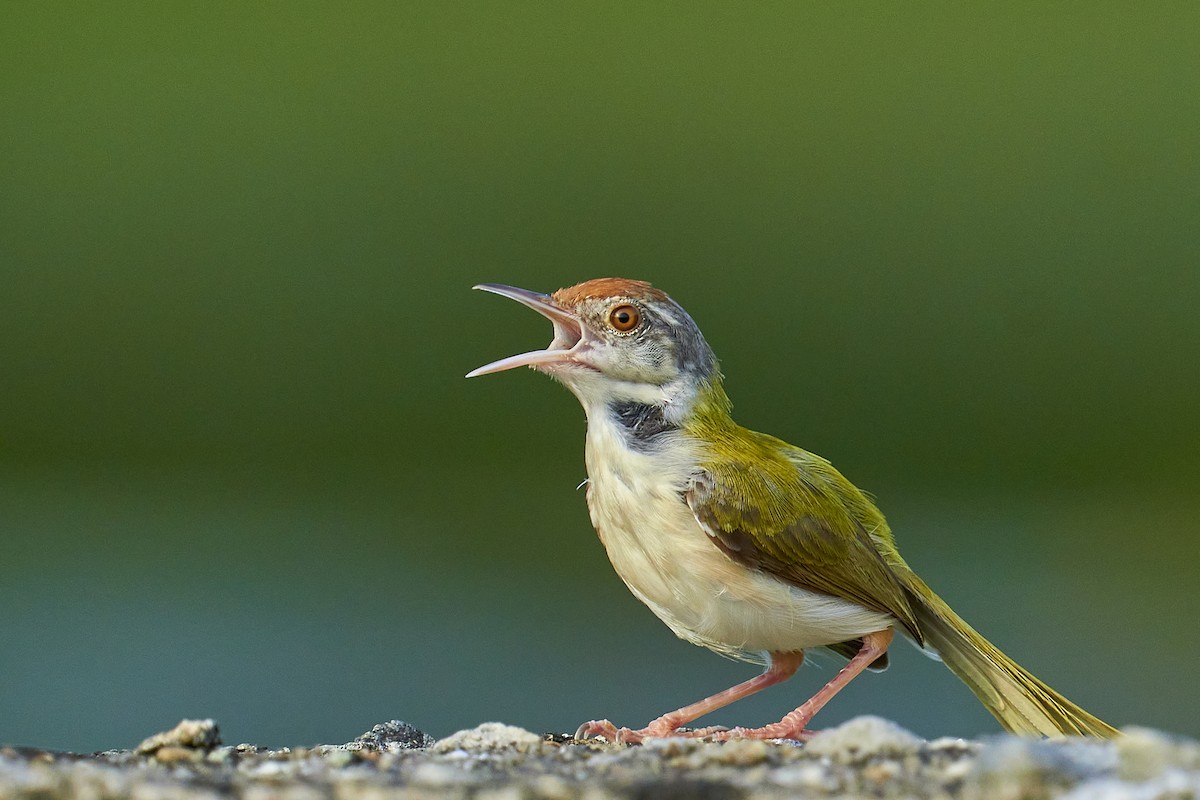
794, 516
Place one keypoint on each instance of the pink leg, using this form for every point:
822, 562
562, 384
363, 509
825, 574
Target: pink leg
782, 667
794, 724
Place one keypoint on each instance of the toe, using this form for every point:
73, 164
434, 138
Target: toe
597, 727
609, 733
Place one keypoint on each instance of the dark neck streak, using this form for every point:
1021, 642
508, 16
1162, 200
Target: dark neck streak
642, 422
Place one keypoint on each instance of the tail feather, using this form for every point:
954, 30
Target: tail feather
1022, 703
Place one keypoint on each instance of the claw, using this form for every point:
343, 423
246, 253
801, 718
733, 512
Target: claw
605, 730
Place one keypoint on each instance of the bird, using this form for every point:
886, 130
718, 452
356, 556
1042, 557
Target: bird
738, 541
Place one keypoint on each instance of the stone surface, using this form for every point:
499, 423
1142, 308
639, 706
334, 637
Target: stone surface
865, 737
491, 737
390, 736
865, 757
189, 733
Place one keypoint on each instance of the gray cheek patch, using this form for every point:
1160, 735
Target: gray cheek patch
667, 316
692, 354
656, 356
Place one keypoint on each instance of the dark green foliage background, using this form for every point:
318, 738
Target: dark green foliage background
953, 249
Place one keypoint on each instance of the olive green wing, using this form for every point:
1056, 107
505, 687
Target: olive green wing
801, 523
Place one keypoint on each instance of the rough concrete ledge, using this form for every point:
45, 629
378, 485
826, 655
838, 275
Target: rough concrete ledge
866, 757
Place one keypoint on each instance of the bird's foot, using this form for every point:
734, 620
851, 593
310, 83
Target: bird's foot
611, 733
779, 730
603, 729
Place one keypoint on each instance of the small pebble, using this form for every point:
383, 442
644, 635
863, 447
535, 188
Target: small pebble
175, 755
864, 737
199, 733
492, 737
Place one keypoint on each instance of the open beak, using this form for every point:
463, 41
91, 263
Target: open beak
568, 333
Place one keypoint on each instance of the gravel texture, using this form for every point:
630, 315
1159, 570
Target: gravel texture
866, 757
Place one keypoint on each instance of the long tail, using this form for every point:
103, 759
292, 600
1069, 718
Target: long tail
1021, 702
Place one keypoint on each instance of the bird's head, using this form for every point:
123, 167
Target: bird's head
616, 340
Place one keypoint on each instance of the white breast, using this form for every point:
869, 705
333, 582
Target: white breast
658, 548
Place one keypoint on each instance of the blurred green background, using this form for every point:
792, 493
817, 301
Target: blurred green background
954, 250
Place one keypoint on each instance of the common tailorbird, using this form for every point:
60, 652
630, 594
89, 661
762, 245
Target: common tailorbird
737, 540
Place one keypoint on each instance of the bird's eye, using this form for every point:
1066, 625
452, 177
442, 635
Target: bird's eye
624, 318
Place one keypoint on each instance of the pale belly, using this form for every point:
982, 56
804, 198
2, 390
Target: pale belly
669, 563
